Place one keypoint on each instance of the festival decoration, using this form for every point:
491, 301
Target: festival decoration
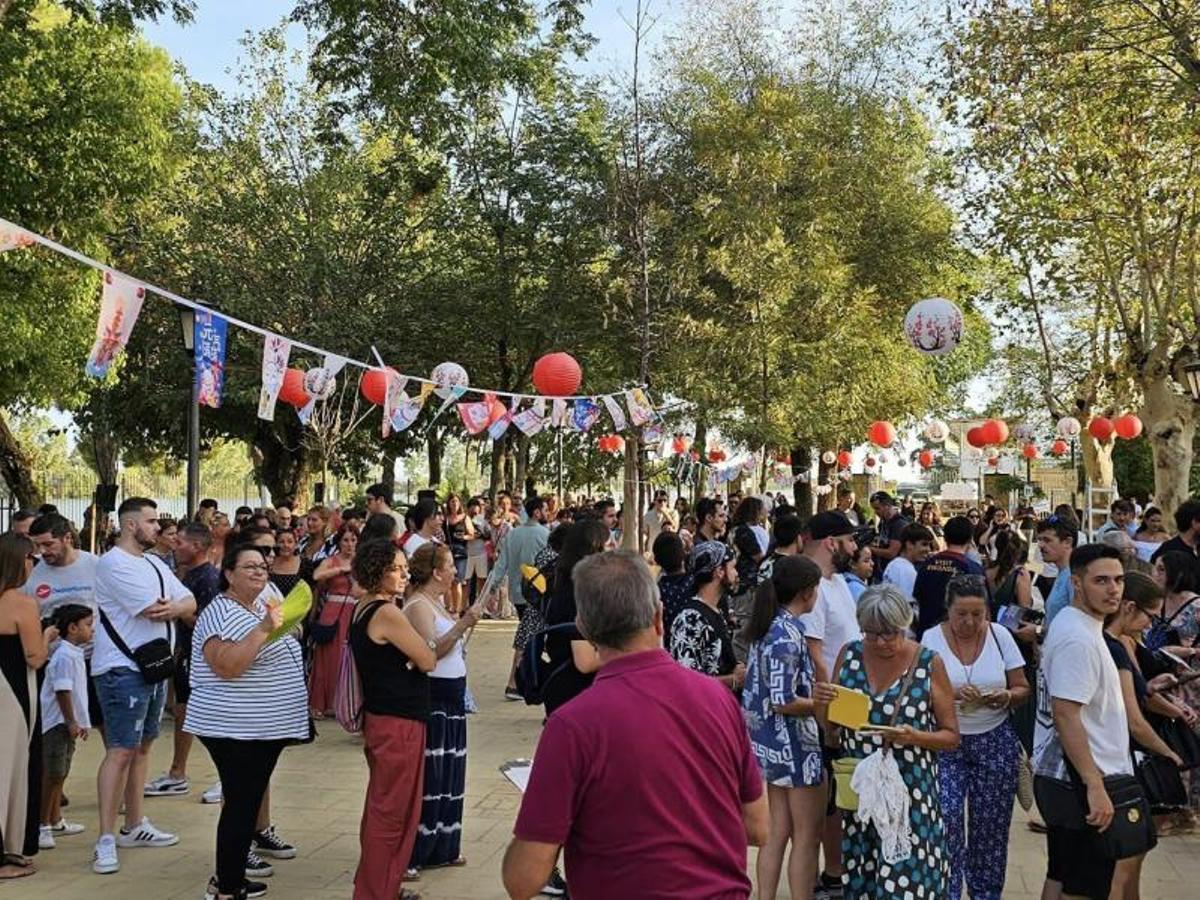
209, 337
1127, 426
994, 431
925, 458
120, 303
934, 326
14, 237
319, 383
1101, 428
937, 431
869, 463
1024, 433
975, 437
446, 377
640, 411
844, 458
993, 461
557, 375
585, 415
529, 421
1059, 447
679, 444
828, 457
276, 351
1030, 451
558, 413
615, 411
716, 454
291, 391
476, 415
374, 385
823, 489
1069, 427
882, 434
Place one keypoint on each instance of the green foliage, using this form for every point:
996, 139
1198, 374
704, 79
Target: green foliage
1133, 467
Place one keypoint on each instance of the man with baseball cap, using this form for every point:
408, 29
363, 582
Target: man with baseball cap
700, 635
831, 625
890, 525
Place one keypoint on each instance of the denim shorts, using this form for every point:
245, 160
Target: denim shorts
132, 708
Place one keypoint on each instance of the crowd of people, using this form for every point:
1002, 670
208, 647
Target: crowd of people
875, 690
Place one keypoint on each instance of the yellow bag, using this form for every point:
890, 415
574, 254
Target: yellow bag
844, 796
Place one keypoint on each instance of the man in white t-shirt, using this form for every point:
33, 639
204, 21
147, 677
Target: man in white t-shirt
137, 598
916, 543
833, 623
1081, 719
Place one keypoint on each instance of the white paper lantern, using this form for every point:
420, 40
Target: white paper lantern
937, 431
829, 457
1024, 433
823, 489
447, 376
319, 384
1069, 427
934, 326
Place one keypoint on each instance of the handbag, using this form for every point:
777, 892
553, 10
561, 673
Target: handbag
155, 659
1181, 739
1025, 793
1063, 804
845, 796
1162, 782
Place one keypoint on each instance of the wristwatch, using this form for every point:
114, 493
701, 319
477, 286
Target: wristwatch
432, 644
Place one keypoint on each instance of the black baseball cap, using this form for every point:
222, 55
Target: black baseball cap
883, 497
830, 523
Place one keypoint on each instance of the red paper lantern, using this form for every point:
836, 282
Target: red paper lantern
1101, 428
679, 444
292, 391
975, 437
1030, 451
844, 459
617, 443
374, 385
557, 375
784, 459
1059, 447
870, 462
925, 458
993, 460
994, 431
1128, 426
882, 434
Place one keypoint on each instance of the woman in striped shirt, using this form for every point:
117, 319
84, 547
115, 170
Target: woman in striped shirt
248, 702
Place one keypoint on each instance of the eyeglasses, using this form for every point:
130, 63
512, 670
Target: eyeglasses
255, 568
880, 636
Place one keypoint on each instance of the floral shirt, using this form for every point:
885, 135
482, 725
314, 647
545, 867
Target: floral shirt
700, 639
779, 670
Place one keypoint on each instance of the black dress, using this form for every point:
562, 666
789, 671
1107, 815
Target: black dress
567, 681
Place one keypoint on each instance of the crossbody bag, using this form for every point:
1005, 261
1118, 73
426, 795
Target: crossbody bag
154, 659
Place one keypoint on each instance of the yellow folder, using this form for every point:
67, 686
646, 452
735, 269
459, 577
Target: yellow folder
850, 708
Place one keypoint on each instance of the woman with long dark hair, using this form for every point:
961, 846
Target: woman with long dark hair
573, 658
779, 702
330, 622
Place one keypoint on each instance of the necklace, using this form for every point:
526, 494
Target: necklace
957, 648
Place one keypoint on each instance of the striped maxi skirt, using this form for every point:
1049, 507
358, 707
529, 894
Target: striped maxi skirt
439, 837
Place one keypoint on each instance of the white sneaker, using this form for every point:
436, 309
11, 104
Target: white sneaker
165, 786
45, 838
104, 856
213, 794
146, 835
64, 827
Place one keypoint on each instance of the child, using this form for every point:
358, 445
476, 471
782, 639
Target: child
64, 716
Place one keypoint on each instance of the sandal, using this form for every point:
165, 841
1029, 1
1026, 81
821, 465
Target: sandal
453, 864
8, 871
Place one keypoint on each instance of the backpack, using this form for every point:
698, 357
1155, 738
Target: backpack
536, 668
348, 695
537, 585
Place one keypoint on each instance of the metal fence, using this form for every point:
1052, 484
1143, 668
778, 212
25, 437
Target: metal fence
72, 494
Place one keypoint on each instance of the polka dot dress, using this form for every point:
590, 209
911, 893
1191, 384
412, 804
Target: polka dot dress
924, 875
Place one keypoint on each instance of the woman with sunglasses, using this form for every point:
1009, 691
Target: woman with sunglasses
24, 649
910, 692
979, 779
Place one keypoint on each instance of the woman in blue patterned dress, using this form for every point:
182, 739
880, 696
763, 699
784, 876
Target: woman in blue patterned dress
780, 701
879, 666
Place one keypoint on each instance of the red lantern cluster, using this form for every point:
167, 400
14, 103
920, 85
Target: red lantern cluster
1128, 426
716, 455
844, 459
975, 437
557, 375
374, 385
1030, 451
610, 443
994, 431
1059, 447
925, 458
1101, 428
679, 444
292, 391
882, 434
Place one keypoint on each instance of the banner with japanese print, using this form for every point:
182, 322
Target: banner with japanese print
276, 351
475, 415
585, 415
120, 303
640, 411
209, 336
393, 398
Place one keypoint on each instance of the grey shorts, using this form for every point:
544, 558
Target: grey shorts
58, 747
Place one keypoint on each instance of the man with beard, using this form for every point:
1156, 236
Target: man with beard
138, 598
700, 637
831, 625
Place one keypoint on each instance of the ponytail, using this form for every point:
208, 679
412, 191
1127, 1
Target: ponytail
762, 611
790, 577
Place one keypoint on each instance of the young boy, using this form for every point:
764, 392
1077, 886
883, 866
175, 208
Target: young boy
64, 716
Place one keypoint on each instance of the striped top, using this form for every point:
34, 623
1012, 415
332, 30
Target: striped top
266, 702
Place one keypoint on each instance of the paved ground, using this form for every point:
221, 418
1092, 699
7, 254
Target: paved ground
318, 793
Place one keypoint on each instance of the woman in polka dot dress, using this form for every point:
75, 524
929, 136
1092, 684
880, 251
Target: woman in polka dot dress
878, 665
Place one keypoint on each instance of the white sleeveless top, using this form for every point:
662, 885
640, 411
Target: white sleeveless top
454, 663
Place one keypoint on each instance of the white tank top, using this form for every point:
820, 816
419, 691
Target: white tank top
453, 664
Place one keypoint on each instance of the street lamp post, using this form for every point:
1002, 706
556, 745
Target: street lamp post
187, 323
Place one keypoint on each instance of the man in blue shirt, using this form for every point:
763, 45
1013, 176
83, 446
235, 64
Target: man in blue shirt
929, 590
1056, 539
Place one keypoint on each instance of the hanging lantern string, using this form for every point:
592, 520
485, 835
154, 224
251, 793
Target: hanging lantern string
256, 329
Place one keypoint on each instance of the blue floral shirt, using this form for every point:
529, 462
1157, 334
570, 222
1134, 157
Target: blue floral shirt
778, 670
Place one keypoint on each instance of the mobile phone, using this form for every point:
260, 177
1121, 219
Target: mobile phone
884, 730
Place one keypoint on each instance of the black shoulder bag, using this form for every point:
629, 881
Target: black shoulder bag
154, 659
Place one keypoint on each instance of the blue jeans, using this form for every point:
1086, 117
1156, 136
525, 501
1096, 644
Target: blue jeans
132, 708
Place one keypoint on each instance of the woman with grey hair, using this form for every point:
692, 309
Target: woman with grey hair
911, 708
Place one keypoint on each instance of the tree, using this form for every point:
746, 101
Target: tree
86, 124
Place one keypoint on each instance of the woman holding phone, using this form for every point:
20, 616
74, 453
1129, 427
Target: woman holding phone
987, 673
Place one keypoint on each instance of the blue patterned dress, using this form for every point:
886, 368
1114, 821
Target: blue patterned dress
924, 875
778, 670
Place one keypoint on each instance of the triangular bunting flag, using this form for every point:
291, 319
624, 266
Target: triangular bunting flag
120, 303
14, 237
614, 410
276, 351
529, 421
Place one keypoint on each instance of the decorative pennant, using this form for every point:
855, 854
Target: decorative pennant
614, 410
539, 406
14, 237
497, 428
641, 412
475, 415
209, 337
529, 421
120, 303
558, 413
456, 392
426, 389
586, 414
653, 433
405, 414
320, 384
394, 397
276, 351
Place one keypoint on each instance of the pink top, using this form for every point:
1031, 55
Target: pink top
642, 778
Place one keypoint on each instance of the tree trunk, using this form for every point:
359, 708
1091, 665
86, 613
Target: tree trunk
435, 444
281, 469
700, 485
1097, 460
387, 469
630, 528
519, 479
827, 475
16, 469
802, 490
497, 470
1170, 427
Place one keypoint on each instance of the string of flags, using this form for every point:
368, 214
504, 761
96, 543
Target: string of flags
121, 303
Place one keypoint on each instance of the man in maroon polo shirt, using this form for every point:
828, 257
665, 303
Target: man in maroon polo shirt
646, 778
